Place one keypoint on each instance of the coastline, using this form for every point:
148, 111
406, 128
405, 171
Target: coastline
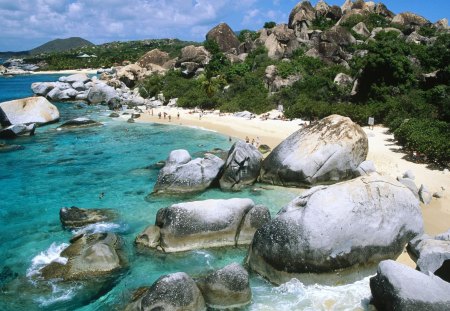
67, 71
386, 155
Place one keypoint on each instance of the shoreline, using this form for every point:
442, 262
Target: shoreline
67, 71
387, 156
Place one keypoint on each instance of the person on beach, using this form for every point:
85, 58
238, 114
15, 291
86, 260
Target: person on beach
159, 115
200, 116
247, 140
178, 115
170, 118
257, 141
165, 114
253, 142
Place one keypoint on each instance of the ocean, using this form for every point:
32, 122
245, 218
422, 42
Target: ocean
71, 168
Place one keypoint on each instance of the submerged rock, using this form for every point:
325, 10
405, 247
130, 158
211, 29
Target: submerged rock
28, 110
241, 167
325, 152
183, 175
9, 148
226, 288
204, 224
74, 217
80, 122
327, 228
17, 130
398, 287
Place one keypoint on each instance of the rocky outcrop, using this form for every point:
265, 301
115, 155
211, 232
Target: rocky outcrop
174, 292
301, 17
74, 217
154, 57
343, 80
398, 287
88, 257
195, 54
224, 36
242, 166
327, 228
361, 29
204, 224
410, 19
226, 288
382, 10
79, 123
338, 35
130, 74
17, 130
28, 110
281, 42
275, 83
100, 92
181, 174
432, 254
327, 151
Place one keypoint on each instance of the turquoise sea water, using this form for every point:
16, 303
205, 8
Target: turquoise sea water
71, 168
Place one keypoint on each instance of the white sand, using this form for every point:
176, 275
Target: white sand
382, 151
64, 72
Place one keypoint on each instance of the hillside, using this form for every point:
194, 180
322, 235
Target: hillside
61, 45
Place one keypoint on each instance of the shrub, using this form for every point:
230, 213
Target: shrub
269, 25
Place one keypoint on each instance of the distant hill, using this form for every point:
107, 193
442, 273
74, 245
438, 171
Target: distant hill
61, 45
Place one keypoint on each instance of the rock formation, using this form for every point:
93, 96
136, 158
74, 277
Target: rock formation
224, 36
74, 217
36, 110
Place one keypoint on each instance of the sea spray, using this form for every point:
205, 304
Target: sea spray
52, 254
101, 227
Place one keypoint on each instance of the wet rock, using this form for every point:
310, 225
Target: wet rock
325, 152
9, 148
226, 288
183, 175
174, 292
398, 287
74, 217
28, 110
204, 224
327, 228
80, 123
114, 115
17, 130
242, 166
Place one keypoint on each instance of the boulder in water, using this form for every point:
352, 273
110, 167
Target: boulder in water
28, 110
80, 123
74, 217
17, 130
357, 222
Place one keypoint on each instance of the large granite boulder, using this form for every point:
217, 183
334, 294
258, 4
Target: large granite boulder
204, 224
195, 54
182, 175
74, 217
432, 254
400, 288
361, 29
17, 130
88, 257
357, 222
338, 35
155, 56
224, 36
281, 43
130, 74
322, 8
75, 78
226, 288
79, 123
28, 110
42, 88
100, 92
174, 292
382, 10
242, 166
301, 17
327, 151
410, 19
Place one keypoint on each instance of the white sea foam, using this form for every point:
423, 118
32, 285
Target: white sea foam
294, 295
52, 254
100, 227
59, 294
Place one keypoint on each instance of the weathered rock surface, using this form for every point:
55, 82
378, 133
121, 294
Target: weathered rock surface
88, 257
410, 19
130, 74
301, 17
183, 175
205, 224
195, 54
17, 130
366, 168
9, 148
325, 152
80, 123
361, 221
174, 292
100, 92
338, 35
281, 43
226, 288
75, 78
28, 110
74, 217
155, 56
361, 29
398, 287
224, 36
344, 80
242, 166
432, 254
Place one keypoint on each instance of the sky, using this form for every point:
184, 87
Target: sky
26, 24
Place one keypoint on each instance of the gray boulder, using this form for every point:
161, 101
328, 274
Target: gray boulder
88, 257
17, 130
204, 224
174, 292
410, 184
242, 166
338, 35
224, 36
155, 56
281, 43
74, 217
398, 287
179, 176
58, 94
28, 110
410, 19
425, 195
80, 123
78, 77
42, 88
328, 151
195, 54
366, 168
343, 80
357, 222
432, 254
130, 74
100, 92
301, 17
361, 30
226, 288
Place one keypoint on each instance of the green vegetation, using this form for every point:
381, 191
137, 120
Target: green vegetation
269, 25
61, 45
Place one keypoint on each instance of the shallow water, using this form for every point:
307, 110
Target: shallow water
71, 168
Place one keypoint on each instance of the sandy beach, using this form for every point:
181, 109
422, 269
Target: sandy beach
66, 72
382, 151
